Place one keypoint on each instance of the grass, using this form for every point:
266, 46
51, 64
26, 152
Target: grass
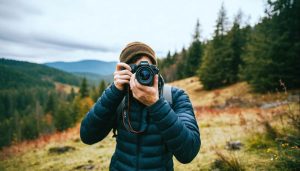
97, 155
269, 142
229, 162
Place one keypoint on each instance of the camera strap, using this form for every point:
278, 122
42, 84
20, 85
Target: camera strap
126, 115
166, 93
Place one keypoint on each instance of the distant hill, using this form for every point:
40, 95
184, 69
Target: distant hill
18, 74
85, 66
94, 78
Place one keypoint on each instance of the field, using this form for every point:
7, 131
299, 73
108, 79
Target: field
239, 130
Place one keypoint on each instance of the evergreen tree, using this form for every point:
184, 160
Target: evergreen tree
5, 132
76, 109
222, 22
29, 127
72, 95
84, 89
51, 103
101, 87
17, 136
237, 40
273, 52
94, 93
168, 60
62, 118
97, 92
194, 53
215, 70
181, 64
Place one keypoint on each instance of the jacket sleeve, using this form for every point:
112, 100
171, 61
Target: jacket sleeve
177, 125
98, 122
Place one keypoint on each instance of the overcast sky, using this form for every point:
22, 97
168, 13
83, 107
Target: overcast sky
71, 30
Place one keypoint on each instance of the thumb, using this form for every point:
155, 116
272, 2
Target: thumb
156, 81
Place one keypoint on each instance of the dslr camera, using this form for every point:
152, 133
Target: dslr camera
144, 72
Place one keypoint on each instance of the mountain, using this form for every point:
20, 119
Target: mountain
94, 79
85, 66
18, 74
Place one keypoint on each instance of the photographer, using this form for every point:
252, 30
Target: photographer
150, 127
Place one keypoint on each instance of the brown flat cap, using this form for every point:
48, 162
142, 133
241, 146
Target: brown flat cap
137, 48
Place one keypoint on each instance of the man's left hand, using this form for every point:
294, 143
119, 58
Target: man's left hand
145, 94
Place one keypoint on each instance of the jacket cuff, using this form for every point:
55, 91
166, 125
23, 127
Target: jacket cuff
156, 111
116, 91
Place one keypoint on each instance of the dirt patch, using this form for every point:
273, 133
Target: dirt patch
84, 167
61, 150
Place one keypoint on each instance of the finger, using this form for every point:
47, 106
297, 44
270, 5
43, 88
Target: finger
135, 84
155, 85
122, 77
122, 81
138, 85
132, 83
123, 72
134, 95
121, 65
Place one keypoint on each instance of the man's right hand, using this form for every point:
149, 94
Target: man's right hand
122, 75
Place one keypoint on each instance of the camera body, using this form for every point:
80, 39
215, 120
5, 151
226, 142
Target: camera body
144, 72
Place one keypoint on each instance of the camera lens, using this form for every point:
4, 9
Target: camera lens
144, 74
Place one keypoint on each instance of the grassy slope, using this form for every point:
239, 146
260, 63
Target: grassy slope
218, 125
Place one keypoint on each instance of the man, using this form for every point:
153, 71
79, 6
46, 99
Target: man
157, 129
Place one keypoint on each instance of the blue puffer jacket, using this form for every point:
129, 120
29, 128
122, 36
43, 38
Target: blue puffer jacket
168, 131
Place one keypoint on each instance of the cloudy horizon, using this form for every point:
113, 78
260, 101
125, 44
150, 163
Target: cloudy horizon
48, 31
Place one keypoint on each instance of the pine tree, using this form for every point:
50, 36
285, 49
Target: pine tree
62, 118
94, 93
222, 23
194, 53
101, 87
215, 70
72, 95
237, 40
181, 64
273, 52
29, 127
97, 92
6, 132
84, 89
76, 109
16, 127
51, 103
168, 61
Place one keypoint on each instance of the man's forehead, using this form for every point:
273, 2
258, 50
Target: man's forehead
144, 58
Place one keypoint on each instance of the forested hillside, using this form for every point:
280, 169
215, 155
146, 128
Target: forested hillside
32, 105
265, 55
17, 74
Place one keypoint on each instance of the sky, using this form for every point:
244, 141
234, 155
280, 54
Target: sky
72, 30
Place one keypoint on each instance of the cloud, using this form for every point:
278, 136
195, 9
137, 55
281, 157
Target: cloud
16, 10
44, 41
71, 44
48, 30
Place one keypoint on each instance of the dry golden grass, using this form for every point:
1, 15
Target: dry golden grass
241, 90
218, 125
201, 97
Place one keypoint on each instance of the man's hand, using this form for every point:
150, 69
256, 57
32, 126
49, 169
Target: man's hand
145, 94
121, 75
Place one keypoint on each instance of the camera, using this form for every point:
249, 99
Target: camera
144, 72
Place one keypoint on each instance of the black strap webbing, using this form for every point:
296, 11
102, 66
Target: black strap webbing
167, 94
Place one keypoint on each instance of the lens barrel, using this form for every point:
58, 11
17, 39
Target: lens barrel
145, 73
